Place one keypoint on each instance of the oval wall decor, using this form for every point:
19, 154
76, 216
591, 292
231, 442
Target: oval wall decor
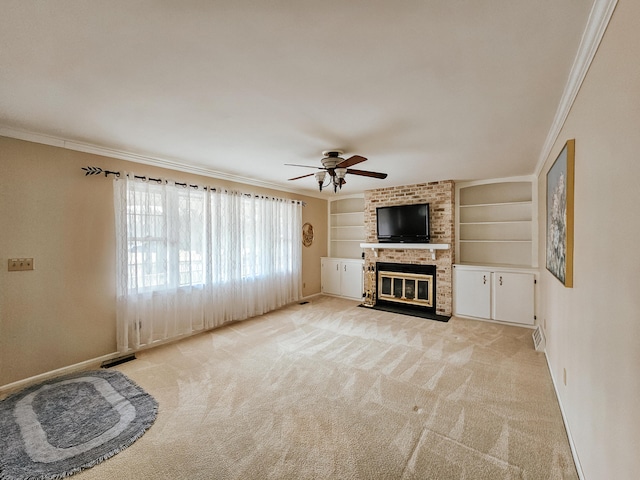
307, 234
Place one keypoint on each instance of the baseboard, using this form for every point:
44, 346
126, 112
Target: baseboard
340, 296
499, 322
574, 452
308, 298
20, 384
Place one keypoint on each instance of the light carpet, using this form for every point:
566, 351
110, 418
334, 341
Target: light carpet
327, 390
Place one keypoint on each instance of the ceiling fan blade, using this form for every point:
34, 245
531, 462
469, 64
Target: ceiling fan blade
351, 161
302, 176
366, 173
305, 166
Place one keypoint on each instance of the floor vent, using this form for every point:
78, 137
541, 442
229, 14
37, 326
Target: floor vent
117, 361
538, 339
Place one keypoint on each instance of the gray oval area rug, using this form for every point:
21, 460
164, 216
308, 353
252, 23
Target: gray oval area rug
62, 426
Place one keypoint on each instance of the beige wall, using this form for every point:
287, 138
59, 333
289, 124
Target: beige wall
593, 329
63, 312
316, 213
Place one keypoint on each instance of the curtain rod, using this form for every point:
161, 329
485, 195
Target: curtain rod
91, 171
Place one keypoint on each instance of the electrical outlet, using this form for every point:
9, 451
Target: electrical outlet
20, 264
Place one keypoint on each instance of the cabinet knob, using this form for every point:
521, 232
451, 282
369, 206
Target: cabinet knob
484, 279
500, 280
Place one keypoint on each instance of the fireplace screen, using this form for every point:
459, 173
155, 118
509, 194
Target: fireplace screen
409, 288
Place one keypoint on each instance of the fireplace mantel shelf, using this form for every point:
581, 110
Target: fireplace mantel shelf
432, 247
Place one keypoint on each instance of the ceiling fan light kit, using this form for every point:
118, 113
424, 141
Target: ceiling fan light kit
337, 168
320, 178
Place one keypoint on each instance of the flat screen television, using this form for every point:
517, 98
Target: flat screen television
403, 223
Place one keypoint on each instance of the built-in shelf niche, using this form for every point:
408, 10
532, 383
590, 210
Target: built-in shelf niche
495, 223
346, 227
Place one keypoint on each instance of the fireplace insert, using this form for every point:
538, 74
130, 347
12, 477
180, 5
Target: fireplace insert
406, 285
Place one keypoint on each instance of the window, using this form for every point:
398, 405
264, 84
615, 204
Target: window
191, 258
165, 236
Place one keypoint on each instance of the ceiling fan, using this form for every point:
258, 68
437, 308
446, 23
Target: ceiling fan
337, 167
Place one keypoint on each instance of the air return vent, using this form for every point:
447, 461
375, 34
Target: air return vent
117, 361
538, 339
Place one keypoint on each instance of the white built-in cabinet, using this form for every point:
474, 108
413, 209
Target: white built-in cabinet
342, 271
342, 277
502, 294
496, 250
472, 292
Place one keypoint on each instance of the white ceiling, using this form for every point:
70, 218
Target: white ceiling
427, 90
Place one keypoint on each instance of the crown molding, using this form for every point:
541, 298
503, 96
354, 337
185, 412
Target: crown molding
176, 165
597, 23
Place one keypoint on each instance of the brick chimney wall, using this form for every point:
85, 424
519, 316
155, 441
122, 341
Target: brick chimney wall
441, 199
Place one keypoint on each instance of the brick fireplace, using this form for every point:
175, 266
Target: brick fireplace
440, 196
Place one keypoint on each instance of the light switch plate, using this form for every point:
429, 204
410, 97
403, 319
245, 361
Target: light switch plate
20, 264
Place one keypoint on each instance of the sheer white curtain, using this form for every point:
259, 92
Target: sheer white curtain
193, 259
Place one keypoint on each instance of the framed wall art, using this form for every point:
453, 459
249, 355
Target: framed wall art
560, 185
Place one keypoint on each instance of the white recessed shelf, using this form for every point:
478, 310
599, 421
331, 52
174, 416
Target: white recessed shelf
494, 204
346, 227
496, 223
432, 247
494, 241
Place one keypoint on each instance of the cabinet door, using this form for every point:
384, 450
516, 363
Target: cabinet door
330, 276
351, 281
513, 297
473, 293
